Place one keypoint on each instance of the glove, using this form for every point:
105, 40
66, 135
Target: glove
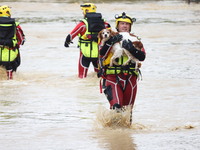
128, 45
67, 41
114, 39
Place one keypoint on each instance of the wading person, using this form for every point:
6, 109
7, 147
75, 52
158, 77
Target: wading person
120, 81
87, 30
11, 37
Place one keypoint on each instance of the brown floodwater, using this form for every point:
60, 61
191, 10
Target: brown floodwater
47, 107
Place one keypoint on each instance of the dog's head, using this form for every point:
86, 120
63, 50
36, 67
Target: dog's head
104, 34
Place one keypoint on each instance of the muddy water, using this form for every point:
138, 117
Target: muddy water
46, 107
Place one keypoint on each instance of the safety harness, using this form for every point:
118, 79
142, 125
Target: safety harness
127, 71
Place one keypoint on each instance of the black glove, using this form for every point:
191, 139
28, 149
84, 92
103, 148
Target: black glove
114, 39
128, 45
67, 41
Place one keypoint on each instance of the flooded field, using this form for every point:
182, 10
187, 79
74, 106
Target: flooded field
47, 107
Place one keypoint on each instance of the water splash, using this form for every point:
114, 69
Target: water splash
113, 118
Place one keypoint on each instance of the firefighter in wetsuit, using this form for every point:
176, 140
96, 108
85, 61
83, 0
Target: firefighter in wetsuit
11, 37
87, 30
120, 81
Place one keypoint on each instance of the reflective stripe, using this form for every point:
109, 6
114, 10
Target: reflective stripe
6, 25
118, 70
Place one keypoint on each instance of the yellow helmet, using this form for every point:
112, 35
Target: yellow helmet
5, 11
125, 18
88, 8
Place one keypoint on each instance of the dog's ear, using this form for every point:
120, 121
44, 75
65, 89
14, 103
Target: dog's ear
138, 45
100, 34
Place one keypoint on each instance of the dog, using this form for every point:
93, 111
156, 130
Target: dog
117, 49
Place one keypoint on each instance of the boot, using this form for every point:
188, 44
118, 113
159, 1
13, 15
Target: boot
117, 107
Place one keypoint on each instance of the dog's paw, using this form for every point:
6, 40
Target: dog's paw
139, 65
